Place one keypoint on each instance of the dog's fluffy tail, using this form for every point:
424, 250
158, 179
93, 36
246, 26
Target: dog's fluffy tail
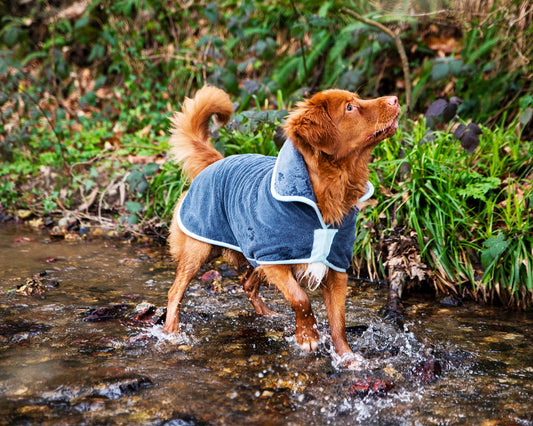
190, 138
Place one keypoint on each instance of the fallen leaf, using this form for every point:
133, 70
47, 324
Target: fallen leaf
441, 44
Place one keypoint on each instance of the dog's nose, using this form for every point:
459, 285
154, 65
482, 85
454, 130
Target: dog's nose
392, 100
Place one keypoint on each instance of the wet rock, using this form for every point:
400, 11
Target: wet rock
372, 387
12, 330
210, 276
356, 330
96, 346
66, 222
110, 388
4, 217
428, 371
139, 340
146, 313
143, 312
122, 387
84, 230
24, 240
36, 285
185, 420
104, 313
451, 301
160, 315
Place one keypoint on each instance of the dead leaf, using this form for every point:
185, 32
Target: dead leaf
76, 127
104, 93
441, 44
145, 131
89, 200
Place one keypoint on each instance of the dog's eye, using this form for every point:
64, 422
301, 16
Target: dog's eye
351, 107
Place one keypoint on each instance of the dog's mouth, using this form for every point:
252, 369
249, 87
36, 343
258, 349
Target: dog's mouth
386, 131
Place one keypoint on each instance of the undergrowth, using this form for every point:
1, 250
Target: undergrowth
471, 212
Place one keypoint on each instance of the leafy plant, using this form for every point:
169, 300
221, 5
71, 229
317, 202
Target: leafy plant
470, 211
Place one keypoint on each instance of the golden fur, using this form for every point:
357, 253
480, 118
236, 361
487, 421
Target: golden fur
335, 131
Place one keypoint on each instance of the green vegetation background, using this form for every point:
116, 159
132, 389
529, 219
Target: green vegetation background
86, 89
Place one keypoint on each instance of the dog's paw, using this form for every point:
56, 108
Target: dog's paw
353, 361
170, 329
307, 339
309, 345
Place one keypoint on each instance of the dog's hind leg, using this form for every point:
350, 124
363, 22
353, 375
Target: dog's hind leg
251, 282
193, 255
306, 328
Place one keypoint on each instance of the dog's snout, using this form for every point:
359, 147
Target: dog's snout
392, 101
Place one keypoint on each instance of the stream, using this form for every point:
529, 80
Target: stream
81, 342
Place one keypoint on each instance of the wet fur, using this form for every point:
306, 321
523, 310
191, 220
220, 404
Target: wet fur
335, 131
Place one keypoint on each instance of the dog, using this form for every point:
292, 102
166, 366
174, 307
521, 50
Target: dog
291, 219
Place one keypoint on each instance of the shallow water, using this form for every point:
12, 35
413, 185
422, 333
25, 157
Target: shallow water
80, 354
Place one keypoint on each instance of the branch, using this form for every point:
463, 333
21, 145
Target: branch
399, 46
301, 40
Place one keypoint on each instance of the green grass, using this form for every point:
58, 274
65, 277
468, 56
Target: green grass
472, 213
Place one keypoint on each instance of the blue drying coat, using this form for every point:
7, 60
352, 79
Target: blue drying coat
265, 208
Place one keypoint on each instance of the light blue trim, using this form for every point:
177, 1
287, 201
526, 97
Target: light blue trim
291, 198
298, 261
203, 239
305, 200
322, 241
369, 192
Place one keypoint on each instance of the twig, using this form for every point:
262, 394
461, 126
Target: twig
399, 46
367, 280
301, 40
436, 12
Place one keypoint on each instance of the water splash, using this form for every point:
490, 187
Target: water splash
184, 337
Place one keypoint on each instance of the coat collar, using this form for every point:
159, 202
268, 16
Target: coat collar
291, 182
290, 179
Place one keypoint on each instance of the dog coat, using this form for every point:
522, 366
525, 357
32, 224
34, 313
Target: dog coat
265, 207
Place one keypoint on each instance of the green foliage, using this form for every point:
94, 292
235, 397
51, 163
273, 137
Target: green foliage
494, 248
472, 213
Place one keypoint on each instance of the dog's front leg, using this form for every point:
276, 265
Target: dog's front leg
334, 291
306, 328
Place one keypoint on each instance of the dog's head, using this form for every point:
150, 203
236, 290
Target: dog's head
340, 124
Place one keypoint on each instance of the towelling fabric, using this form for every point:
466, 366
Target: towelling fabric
265, 208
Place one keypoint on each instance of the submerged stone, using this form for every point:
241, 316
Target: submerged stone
373, 387
104, 313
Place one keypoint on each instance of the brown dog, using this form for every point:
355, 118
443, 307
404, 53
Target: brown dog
330, 137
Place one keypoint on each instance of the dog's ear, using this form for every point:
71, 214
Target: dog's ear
311, 124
